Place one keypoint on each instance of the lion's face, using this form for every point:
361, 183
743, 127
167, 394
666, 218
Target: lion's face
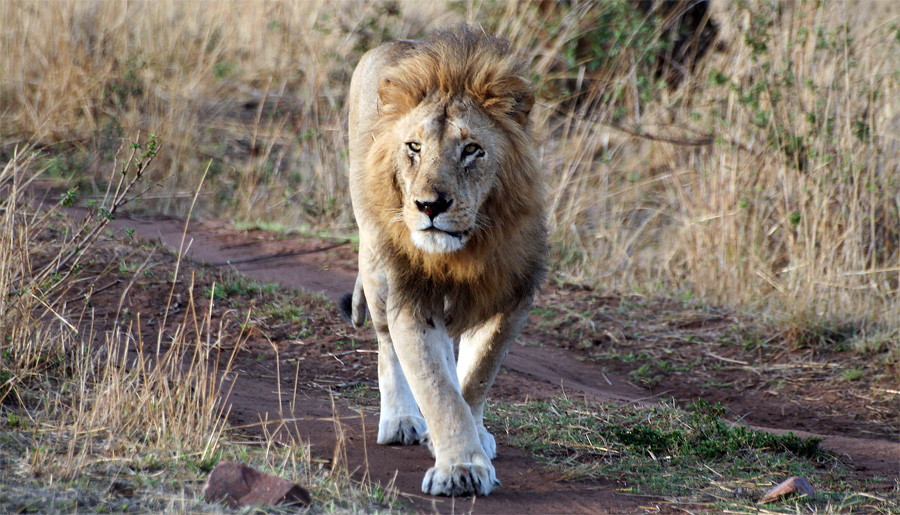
447, 164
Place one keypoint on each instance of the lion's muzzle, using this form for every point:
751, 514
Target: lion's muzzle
433, 208
435, 227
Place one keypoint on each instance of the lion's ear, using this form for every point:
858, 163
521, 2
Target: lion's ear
387, 91
396, 95
511, 96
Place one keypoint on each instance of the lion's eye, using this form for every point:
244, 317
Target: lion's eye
470, 149
414, 147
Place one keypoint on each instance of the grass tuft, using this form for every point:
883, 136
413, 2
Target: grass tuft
693, 456
708, 436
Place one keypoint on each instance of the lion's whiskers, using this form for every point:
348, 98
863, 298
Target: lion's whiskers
483, 223
398, 215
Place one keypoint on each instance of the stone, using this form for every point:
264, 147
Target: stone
239, 486
121, 489
790, 486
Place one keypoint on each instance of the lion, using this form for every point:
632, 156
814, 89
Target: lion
448, 196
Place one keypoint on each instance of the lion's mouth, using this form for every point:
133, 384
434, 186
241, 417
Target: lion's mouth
435, 240
455, 234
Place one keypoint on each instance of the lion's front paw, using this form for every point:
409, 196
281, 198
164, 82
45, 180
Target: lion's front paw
460, 479
487, 442
405, 430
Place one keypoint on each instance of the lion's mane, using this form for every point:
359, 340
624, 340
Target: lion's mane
503, 262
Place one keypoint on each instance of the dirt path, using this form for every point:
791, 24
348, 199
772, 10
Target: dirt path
529, 372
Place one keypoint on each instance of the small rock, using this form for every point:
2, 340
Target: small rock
238, 486
121, 489
788, 487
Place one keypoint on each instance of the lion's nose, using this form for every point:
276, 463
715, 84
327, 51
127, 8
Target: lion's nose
433, 208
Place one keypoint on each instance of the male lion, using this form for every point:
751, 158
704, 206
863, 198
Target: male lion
452, 240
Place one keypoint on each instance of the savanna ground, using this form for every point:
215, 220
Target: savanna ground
725, 214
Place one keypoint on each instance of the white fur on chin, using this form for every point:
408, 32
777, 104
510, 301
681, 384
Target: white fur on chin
436, 242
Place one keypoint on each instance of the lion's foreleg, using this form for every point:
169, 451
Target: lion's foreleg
481, 352
426, 353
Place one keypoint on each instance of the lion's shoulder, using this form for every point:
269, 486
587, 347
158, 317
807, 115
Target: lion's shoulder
364, 84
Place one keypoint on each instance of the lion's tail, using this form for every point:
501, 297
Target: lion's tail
353, 305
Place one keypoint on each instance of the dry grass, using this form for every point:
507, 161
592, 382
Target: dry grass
790, 202
779, 189
257, 87
79, 405
95, 417
768, 178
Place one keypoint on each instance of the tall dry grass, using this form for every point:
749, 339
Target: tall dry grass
767, 178
102, 409
257, 87
83, 406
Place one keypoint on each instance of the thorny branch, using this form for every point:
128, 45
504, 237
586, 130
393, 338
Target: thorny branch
140, 163
130, 173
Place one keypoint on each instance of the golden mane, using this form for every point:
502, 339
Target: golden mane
503, 262
457, 62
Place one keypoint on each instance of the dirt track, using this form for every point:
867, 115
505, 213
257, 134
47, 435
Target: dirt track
529, 371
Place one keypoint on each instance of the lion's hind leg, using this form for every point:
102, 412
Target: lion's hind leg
400, 421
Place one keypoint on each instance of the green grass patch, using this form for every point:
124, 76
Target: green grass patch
694, 454
232, 286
